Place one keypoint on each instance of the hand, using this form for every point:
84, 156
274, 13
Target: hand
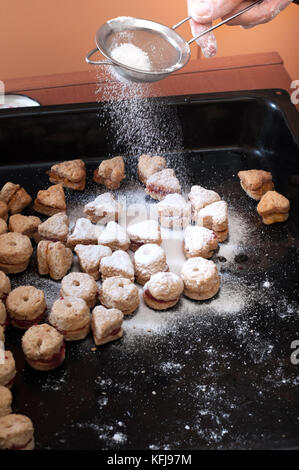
204, 12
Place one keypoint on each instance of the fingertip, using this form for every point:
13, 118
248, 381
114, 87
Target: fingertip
201, 11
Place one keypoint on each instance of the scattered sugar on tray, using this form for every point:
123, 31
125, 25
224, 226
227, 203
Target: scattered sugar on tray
132, 56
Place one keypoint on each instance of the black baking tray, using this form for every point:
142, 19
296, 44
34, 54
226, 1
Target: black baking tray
214, 379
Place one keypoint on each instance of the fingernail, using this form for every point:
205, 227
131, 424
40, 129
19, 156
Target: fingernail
201, 11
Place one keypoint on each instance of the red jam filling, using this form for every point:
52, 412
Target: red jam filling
155, 189
150, 296
113, 333
20, 447
56, 359
4, 297
64, 332
11, 382
29, 323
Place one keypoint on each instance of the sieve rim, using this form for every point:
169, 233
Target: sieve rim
185, 54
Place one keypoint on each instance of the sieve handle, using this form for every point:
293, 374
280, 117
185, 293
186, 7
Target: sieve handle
216, 25
94, 62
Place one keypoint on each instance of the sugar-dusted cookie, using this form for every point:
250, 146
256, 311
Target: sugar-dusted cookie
214, 217
106, 324
118, 264
148, 165
80, 285
71, 317
149, 259
120, 293
160, 184
26, 306
5, 286
201, 278
103, 209
174, 211
163, 290
43, 347
84, 233
201, 197
115, 237
199, 241
90, 257
147, 231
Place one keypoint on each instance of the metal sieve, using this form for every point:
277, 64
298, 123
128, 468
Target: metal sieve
166, 49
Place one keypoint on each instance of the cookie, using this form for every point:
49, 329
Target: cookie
16, 432
174, 212
4, 318
50, 201
3, 226
80, 285
5, 401
103, 209
90, 257
3, 210
2, 336
199, 241
26, 306
71, 174
148, 165
201, 197
24, 224
162, 183
118, 264
214, 217
273, 207
149, 259
43, 347
106, 325
53, 259
115, 237
71, 317
5, 286
84, 233
110, 173
15, 197
256, 183
147, 231
119, 293
201, 278
15, 252
7, 370
163, 291
55, 228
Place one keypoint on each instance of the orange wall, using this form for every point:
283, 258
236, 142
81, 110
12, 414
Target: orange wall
52, 36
